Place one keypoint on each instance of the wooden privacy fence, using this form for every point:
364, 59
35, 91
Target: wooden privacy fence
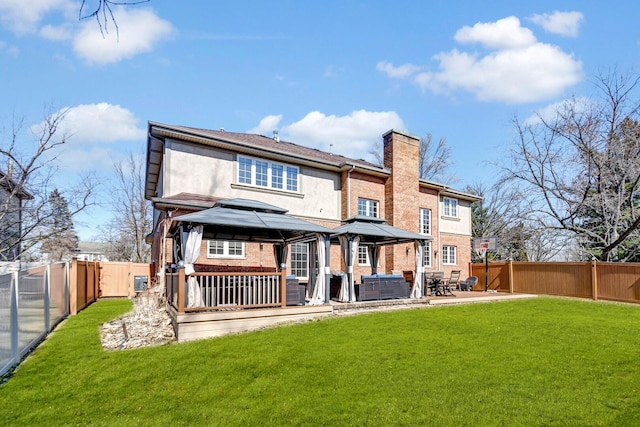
595, 280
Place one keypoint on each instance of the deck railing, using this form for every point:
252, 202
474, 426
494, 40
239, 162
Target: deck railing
222, 291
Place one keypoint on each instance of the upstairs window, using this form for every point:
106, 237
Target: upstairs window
266, 174
368, 207
425, 221
450, 207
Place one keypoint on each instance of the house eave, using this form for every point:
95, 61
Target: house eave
158, 132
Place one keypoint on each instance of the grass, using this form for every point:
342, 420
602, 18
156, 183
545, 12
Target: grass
531, 362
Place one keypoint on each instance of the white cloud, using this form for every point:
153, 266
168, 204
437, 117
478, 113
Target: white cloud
93, 131
23, 16
563, 23
352, 135
516, 68
267, 125
551, 111
138, 31
103, 122
400, 72
55, 33
502, 34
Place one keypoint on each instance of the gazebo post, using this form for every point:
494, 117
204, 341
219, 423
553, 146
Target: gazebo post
327, 269
283, 284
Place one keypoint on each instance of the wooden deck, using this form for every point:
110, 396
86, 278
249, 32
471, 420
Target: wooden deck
199, 325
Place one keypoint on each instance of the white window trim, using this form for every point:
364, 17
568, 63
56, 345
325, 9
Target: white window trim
455, 255
226, 255
369, 203
366, 251
269, 186
444, 209
427, 249
428, 233
308, 262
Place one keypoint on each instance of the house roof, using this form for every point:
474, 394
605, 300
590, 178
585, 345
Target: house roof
10, 185
265, 147
250, 220
374, 231
250, 144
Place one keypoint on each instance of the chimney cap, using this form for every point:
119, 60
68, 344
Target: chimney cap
276, 137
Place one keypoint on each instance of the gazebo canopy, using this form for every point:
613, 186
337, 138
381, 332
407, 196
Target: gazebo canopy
375, 231
252, 221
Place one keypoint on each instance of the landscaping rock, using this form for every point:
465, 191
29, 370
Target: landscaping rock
148, 325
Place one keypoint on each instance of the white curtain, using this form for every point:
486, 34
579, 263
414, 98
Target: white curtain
350, 257
281, 252
320, 285
374, 256
191, 253
416, 291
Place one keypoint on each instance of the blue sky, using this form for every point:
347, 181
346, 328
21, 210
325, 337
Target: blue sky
330, 72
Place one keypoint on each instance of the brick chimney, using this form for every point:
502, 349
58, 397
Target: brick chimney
401, 152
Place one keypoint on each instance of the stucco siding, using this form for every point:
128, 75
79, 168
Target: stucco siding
459, 225
210, 171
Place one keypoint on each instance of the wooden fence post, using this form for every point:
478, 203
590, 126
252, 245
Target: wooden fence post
510, 276
73, 287
594, 280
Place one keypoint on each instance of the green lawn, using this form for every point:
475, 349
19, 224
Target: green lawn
542, 362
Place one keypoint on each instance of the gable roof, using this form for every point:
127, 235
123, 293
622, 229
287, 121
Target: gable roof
265, 147
250, 144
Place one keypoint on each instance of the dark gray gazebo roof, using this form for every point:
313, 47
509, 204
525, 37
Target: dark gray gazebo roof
374, 231
251, 220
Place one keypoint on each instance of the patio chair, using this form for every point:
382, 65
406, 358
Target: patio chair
454, 280
467, 285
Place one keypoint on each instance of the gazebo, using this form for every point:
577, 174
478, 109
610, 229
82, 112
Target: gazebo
247, 221
374, 233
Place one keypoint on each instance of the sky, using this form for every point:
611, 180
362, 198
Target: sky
332, 75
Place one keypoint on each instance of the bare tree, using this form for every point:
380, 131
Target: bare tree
27, 180
132, 213
434, 159
102, 11
580, 169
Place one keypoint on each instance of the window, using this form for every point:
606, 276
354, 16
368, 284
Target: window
262, 173
292, 178
368, 207
300, 259
277, 172
450, 207
425, 221
224, 249
363, 255
449, 255
426, 258
244, 170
